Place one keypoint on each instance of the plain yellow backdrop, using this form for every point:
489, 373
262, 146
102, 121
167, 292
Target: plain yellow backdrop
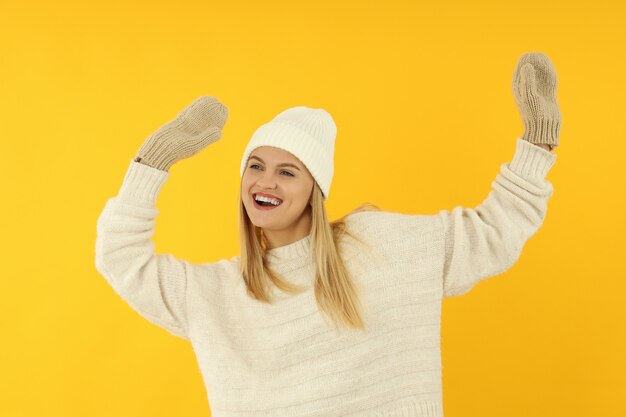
421, 95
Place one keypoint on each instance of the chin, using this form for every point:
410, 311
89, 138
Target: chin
258, 220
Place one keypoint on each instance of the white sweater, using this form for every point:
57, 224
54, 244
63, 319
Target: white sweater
284, 359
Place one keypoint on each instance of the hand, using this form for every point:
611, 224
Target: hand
534, 89
194, 128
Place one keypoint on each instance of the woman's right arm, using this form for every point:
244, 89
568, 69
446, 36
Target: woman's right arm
153, 285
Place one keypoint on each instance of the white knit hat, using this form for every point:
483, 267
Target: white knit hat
307, 133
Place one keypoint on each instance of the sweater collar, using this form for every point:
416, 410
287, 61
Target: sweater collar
298, 249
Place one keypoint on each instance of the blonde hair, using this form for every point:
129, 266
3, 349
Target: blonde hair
335, 291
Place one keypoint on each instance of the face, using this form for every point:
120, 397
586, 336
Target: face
278, 173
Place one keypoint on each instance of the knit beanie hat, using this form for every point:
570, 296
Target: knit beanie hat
307, 133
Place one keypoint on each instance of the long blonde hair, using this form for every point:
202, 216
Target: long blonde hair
335, 292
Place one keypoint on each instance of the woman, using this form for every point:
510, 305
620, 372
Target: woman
319, 318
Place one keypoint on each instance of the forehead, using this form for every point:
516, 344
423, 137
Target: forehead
272, 154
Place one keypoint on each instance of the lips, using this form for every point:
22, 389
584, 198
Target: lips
260, 207
266, 195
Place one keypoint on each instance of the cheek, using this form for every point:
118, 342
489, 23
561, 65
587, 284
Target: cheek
301, 196
245, 184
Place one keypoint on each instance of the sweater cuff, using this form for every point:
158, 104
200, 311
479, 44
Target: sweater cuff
142, 182
531, 161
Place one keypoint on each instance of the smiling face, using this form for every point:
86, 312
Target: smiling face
275, 172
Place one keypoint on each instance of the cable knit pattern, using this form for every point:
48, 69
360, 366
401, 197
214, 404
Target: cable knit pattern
285, 359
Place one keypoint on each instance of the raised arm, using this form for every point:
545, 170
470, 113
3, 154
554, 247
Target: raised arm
154, 285
487, 240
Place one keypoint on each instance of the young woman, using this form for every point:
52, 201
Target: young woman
321, 318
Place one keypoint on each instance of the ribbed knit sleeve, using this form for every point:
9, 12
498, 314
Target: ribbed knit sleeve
153, 285
486, 240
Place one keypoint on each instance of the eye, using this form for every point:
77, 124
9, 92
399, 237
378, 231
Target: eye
289, 174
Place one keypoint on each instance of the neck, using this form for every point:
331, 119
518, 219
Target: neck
278, 238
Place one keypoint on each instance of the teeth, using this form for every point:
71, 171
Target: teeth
267, 200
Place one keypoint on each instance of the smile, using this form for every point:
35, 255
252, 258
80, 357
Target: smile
268, 206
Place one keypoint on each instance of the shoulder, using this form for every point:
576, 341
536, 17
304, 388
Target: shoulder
392, 233
382, 222
397, 237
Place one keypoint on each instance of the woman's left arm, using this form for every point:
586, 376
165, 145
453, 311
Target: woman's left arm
487, 240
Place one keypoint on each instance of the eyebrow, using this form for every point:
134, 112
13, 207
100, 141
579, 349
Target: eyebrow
284, 164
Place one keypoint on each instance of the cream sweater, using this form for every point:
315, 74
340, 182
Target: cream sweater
284, 359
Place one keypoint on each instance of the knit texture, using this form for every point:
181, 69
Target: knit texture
284, 359
197, 126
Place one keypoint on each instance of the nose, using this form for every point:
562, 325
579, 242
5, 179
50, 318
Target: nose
267, 181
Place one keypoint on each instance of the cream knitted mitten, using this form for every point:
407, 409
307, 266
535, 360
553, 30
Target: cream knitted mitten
534, 88
194, 128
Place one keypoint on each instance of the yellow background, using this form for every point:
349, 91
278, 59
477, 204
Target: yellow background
421, 94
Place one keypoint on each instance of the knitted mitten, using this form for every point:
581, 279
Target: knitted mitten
534, 88
194, 128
